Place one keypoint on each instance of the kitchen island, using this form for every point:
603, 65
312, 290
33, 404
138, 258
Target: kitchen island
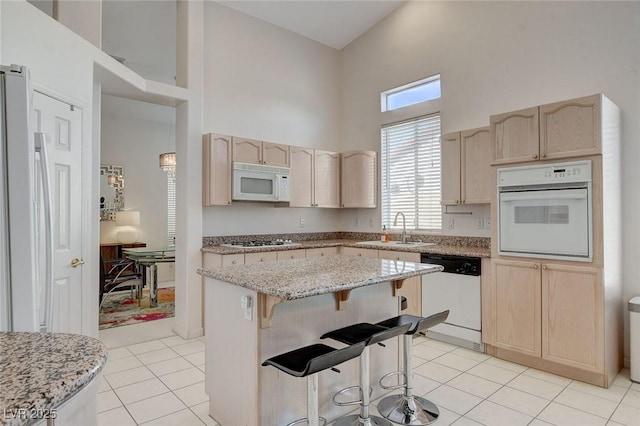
48, 377
256, 311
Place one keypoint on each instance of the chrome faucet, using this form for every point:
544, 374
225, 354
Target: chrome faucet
404, 226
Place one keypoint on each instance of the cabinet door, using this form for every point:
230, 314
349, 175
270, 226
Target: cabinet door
476, 166
247, 150
265, 256
573, 316
514, 136
516, 292
327, 179
352, 251
274, 154
291, 254
450, 168
216, 170
211, 260
321, 252
570, 128
301, 181
359, 179
411, 287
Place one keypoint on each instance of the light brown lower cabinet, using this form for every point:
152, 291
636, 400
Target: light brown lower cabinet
411, 287
554, 312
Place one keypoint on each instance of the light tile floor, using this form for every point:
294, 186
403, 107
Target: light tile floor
161, 382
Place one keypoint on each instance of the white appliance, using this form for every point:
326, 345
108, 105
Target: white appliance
457, 289
545, 211
259, 182
26, 239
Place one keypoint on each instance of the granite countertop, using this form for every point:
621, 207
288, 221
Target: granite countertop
448, 249
39, 371
299, 278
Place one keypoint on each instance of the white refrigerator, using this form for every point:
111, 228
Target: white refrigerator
26, 239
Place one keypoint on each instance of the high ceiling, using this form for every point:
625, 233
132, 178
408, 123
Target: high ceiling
335, 23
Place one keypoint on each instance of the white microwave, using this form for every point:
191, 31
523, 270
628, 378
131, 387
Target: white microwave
258, 182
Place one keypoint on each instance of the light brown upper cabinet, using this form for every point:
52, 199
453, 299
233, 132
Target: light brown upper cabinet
466, 167
258, 152
359, 179
560, 130
216, 169
315, 178
571, 128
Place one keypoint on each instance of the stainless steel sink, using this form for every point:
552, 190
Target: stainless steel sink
396, 243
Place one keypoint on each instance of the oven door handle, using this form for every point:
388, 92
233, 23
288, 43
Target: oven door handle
565, 195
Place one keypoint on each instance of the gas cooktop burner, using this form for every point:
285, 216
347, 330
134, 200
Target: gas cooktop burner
274, 243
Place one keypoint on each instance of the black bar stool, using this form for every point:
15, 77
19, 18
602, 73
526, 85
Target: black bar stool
369, 334
408, 409
308, 362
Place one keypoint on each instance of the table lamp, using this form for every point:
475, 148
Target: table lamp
128, 219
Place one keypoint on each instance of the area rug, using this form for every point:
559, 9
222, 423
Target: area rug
119, 309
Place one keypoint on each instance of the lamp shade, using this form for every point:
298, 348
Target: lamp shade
130, 217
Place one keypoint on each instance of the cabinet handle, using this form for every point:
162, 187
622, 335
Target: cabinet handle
292, 257
544, 267
457, 201
543, 155
535, 266
262, 259
228, 202
463, 201
233, 262
359, 254
535, 156
321, 254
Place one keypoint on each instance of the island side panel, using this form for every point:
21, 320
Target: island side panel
297, 323
231, 356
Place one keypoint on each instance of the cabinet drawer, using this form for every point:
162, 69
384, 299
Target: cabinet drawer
321, 252
232, 259
352, 251
399, 255
266, 256
291, 254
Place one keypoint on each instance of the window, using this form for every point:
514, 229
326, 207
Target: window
411, 173
171, 210
412, 93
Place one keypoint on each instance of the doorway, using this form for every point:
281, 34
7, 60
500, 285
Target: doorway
138, 213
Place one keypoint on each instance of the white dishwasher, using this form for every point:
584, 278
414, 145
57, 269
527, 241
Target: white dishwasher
457, 289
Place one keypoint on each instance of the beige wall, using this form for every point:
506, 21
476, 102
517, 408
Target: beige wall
496, 57
267, 83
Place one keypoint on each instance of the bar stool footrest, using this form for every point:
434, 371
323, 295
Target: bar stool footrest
352, 402
393, 387
305, 421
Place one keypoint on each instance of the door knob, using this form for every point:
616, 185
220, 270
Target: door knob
75, 262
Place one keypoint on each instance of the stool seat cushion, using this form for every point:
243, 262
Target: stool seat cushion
416, 323
365, 332
313, 358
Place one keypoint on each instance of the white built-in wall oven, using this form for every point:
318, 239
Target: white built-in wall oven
545, 211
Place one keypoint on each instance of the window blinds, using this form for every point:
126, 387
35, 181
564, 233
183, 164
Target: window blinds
171, 210
411, 173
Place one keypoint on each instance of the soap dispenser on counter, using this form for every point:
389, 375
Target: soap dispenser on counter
384, 236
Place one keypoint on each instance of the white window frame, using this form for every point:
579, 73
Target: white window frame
384, 96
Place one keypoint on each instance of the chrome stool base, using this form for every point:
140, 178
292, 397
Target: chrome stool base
356, 420
413, 410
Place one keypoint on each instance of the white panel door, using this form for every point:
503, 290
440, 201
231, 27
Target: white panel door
62, 124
